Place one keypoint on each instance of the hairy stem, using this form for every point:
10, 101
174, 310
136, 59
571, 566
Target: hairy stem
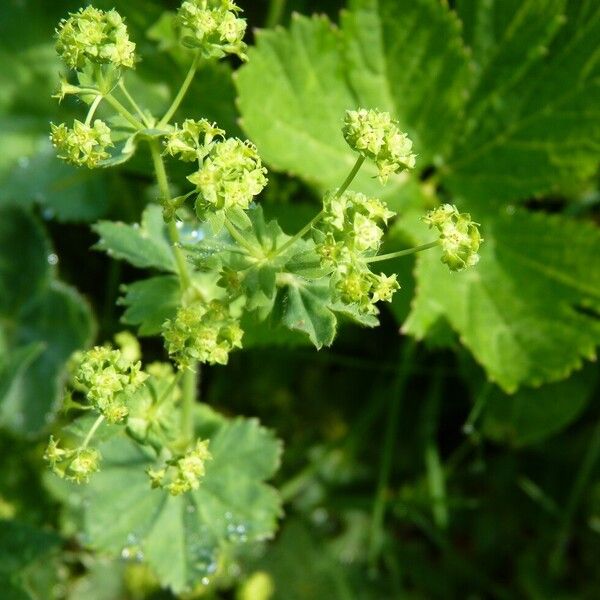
182, 91
320, 215
93, 108
406, 252
123, 112
163, 185
302, 232
132, 102
238, 237
385, 470
190, 393
92, 431
355, 169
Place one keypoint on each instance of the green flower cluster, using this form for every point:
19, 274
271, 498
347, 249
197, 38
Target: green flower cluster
459, 236
82, 145
94, 36
192, 140
351, 231
107, 378
230, 176
182, 474
376, 135
73, 464
204, 332
214, 27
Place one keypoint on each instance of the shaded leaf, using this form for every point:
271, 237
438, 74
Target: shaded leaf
145, 245
150, 302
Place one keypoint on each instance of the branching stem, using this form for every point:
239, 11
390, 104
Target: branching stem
92, 431
93, 108
406, 252
182, 91
124, 112
133, 103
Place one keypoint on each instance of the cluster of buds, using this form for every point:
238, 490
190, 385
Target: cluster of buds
183, 474
83, 144
351, 230
213, 26
376, 135
107, 378
356, 284
73, 464
230, 176
204, 332
192, 140
94, 36
459, 236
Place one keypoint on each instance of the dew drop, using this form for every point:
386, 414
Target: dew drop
47, 214
52, 259
205, 581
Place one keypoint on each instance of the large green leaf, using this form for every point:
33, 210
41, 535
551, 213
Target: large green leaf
533, 121
303, 69
182, 538
529, 311
145, 245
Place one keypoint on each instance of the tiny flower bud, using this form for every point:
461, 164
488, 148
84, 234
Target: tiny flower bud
202, 332
230, 176
94, 36
85, 463
459, 236
83, 145
376, 135
213, 26
384, 288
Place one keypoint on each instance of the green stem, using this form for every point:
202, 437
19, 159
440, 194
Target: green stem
385, 470
163, 185
239, 238
182, 91
133, 103
581, 481
302, 232
190, 390
124, 112
480, 402
355, 169
276, 8
92, 431
406, 252
93, 108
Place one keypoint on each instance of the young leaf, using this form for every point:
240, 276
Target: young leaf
529, 312
303, 305
150, 302
144, 246
183, 538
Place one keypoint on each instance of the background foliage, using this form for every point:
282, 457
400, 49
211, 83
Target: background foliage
489, 424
